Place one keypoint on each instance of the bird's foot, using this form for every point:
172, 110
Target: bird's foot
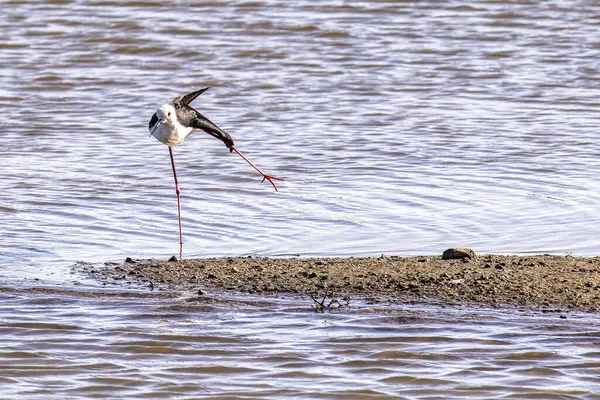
270, 179
265, 176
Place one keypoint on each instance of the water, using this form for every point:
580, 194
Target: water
400, 128
132, 345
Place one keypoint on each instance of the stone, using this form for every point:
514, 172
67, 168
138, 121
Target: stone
458, 253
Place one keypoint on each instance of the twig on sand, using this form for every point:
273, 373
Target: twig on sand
334, 303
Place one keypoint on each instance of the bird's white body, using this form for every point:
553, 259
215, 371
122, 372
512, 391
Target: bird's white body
170, 131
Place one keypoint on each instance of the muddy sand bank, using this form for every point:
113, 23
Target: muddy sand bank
539, 282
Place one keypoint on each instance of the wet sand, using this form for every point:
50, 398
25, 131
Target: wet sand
545, 282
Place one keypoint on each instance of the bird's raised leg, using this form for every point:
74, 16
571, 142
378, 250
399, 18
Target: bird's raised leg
178, 204
265, 176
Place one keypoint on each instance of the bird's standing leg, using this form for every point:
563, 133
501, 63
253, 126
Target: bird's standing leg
178, 204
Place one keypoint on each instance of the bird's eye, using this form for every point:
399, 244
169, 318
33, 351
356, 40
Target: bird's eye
169, 114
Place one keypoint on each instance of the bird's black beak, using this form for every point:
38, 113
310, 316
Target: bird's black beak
154, 123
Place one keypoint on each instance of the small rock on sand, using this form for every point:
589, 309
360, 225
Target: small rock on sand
458, 253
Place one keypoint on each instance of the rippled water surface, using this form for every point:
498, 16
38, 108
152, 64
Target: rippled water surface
400, 127
128, 345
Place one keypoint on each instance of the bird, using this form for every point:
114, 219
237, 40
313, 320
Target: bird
174, 122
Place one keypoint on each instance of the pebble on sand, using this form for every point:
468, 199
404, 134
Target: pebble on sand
458, 253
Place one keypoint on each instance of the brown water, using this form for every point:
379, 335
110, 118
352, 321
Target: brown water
400, 127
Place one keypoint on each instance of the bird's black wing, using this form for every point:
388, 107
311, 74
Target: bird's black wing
187, 116
186, 99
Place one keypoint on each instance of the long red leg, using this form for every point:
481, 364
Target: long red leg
178, 204
265, 176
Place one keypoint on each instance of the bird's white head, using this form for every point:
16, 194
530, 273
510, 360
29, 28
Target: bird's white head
166, 112
164, 115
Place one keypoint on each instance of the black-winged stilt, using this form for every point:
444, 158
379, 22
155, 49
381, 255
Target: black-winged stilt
173, 122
